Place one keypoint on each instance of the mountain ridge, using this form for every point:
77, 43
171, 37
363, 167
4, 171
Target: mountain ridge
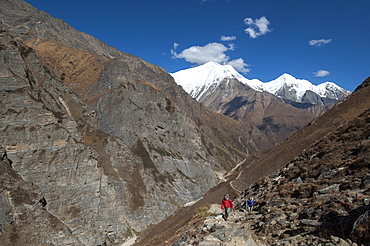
275, 109
211, 73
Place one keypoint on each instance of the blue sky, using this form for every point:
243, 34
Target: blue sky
317, 40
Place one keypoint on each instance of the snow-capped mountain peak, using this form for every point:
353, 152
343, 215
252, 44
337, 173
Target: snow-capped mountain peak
210, 72
200, 79
290, 83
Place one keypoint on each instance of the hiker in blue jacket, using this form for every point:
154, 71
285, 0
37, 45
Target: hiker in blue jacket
250, 203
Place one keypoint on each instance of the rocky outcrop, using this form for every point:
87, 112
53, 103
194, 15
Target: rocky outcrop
214, 230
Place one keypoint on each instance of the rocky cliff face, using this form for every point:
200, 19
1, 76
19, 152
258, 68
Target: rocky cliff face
24, 201
109, 142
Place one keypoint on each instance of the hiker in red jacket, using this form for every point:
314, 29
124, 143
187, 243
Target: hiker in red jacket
227, 204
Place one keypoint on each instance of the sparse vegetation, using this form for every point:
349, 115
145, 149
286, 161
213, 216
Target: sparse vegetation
19, 128
7, 126
140, 151
202, 211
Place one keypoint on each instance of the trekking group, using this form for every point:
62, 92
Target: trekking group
227, 205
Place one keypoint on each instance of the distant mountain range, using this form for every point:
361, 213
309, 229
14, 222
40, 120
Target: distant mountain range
199, 80
276, 109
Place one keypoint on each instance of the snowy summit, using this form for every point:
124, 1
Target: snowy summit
200, 79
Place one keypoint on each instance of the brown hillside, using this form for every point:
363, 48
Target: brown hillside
78, 69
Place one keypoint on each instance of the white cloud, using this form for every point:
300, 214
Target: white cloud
257, 27
252, 33
319, 42
228, 38
321, 73
215, 52
231, 46
239, 65
203, 54
175, 45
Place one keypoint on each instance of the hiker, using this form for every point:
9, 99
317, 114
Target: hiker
250, 203
227, 205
